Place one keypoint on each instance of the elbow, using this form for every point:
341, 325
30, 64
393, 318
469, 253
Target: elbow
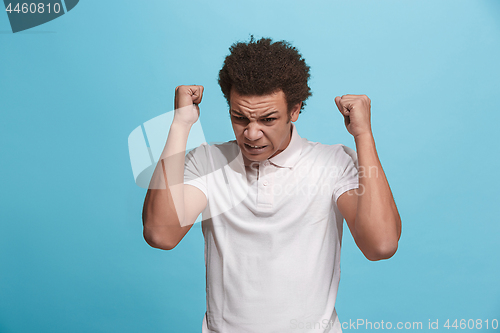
382, 251
157, 241
157, 235
159, 245
385, 246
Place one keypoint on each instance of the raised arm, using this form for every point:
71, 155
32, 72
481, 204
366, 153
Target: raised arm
370, 210
170, 207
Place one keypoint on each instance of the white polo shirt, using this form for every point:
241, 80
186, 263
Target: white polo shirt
272, 235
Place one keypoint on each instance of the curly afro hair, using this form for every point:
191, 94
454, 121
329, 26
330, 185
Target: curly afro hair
261, 67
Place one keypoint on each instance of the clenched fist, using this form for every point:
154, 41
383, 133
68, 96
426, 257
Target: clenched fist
186, 103
356, 112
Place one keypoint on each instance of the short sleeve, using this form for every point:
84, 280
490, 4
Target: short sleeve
347, 162
195, 168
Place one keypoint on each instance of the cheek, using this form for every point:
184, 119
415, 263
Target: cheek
274, 139
237, 132
279, 138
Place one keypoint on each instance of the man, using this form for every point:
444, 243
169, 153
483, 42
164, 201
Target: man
273, 203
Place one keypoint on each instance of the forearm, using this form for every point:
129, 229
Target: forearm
378, 225
163, 212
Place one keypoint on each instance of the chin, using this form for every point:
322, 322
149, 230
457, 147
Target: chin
256, 158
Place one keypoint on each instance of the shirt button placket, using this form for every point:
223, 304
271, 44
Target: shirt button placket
265, 195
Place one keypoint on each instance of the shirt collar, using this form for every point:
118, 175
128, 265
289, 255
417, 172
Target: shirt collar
288, 157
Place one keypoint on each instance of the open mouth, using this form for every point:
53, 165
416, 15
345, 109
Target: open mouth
254, 148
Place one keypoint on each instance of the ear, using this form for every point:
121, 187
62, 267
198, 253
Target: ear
294, 114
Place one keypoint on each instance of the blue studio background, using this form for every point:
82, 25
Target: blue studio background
72, 256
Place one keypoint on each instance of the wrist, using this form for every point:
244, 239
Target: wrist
364, 137
180, 125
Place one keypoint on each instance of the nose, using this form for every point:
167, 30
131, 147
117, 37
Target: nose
253, 132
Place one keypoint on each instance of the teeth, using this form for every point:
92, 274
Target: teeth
255, 146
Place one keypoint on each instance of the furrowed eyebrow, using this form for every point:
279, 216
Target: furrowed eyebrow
270, 113
239, 114
264, 116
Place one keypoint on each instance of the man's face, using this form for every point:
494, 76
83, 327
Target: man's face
262, 122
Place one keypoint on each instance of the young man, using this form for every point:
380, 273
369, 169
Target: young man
273, 203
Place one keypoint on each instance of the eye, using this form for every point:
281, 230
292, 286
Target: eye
268, 120
239, 118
